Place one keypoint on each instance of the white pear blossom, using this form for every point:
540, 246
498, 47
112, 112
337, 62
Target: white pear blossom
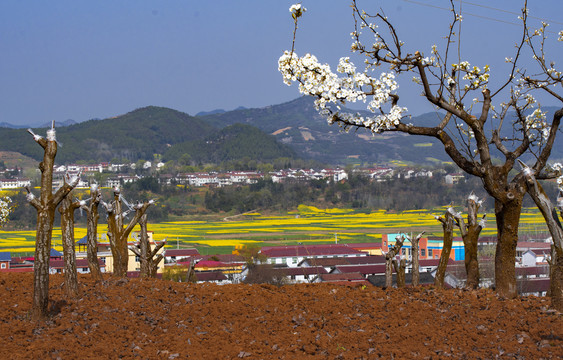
5, 209
558, 168
318, 80
297, 10
560, 36
537, 121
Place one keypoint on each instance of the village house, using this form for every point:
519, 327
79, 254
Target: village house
120, 180
429, 248
342, 279
15, 183
58, 266
535, 287
335, 175
216, 277
378, 174
215, 265
532, 253
174, 255
414, 174
296, 275
5, 260
365, 270
452, 179
291, 256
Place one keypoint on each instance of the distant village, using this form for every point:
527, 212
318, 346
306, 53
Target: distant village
124, 173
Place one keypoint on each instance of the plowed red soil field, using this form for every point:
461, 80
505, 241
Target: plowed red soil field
156, 319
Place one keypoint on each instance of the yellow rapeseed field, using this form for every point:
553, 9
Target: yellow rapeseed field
308, 224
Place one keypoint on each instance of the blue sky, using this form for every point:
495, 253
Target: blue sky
80, 60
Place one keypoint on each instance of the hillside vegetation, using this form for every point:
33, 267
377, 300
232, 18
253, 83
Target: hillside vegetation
231, 143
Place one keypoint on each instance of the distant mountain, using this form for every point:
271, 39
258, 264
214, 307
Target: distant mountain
144, 132
11, 126
293, 129
48, 124
217, 111
136, 135
296, 123
212, 112
233, 142
58, 124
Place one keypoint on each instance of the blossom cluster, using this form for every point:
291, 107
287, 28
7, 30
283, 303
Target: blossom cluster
5, 209
474, 75
297, 10
558, 167
537, 121
316, 79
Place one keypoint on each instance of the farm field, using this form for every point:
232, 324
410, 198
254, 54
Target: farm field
160, 319
305, 225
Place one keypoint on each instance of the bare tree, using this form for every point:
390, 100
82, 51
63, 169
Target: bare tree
415, 256
448, 225
389, 257
470, 235
66, 209
400, 267
148, 258
473, 132
118, 233
549, 213
92, 231
45, 206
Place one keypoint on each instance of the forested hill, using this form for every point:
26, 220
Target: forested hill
231, 143
297, 124
142, 133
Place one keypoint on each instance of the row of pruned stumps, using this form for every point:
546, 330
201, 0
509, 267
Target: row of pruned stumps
470, 230
118, 229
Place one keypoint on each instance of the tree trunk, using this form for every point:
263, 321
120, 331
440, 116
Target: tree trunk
556, 283
43, 235
471, 261
415, 263
144, 247
45, 207
549, 213
508, 218
400, 267
148, 258
448, 226
470, 235
92, 233
153, 268
389, 257
415, 257
118, 242
118, 235
66, 209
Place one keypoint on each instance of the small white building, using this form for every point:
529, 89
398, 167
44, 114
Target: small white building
14, 183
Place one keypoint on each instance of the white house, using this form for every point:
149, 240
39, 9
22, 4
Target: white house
14, 183
291, 256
